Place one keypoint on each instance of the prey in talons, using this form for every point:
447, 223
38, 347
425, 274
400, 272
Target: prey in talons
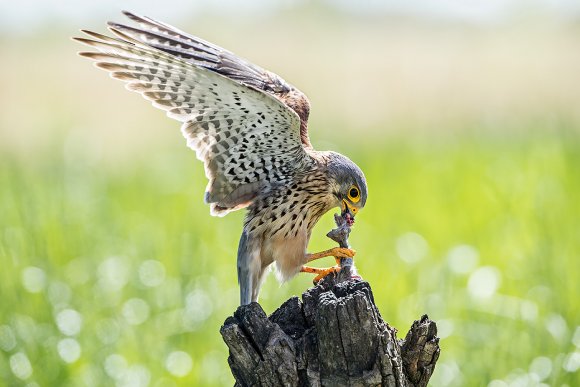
343, 254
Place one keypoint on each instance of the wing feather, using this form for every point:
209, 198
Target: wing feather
202, 53
247, 139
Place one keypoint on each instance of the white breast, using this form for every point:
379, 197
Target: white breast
288, 253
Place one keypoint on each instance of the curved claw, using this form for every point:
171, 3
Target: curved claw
324, 273
341, 252
320, 272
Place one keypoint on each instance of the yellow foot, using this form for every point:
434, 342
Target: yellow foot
320, 272
337, 252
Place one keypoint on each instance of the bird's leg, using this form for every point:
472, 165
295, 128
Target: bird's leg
320, 272
337, 252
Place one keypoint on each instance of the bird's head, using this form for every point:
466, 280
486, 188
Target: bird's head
348, 184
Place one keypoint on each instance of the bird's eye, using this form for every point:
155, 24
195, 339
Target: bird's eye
354, 194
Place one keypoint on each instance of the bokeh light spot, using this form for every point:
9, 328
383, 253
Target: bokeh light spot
445, 328
462, 259
135, 376
572, 362
20, 365
412, 247
178, 363
115, 366
136, 311
484, 282
7, 338
69, 350
198, 308
69, 322
113, 274
557, 326
520, 378
447, 374
151, 273
542, 367
33, 279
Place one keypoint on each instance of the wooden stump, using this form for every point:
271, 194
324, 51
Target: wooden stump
335, 336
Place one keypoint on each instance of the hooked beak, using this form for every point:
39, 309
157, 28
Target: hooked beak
348, 212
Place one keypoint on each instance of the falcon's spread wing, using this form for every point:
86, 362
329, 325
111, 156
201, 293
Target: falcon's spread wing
243, 131
197, 51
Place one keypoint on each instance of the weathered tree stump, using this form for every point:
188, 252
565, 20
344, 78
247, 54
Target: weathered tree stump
335, 336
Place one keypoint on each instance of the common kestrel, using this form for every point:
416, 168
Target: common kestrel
249, 127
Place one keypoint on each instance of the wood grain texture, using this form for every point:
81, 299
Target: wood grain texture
333, 336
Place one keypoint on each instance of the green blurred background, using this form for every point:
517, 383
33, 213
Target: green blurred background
464, 117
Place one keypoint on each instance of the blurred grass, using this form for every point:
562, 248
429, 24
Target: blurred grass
513, 202
471, 146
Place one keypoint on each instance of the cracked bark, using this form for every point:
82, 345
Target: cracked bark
334, 336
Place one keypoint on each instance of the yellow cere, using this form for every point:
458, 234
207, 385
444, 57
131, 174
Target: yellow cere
352, 208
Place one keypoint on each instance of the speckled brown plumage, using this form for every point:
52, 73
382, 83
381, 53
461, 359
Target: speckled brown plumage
250, 129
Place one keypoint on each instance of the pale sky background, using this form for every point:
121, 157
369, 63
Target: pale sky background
26, 16
430, 65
